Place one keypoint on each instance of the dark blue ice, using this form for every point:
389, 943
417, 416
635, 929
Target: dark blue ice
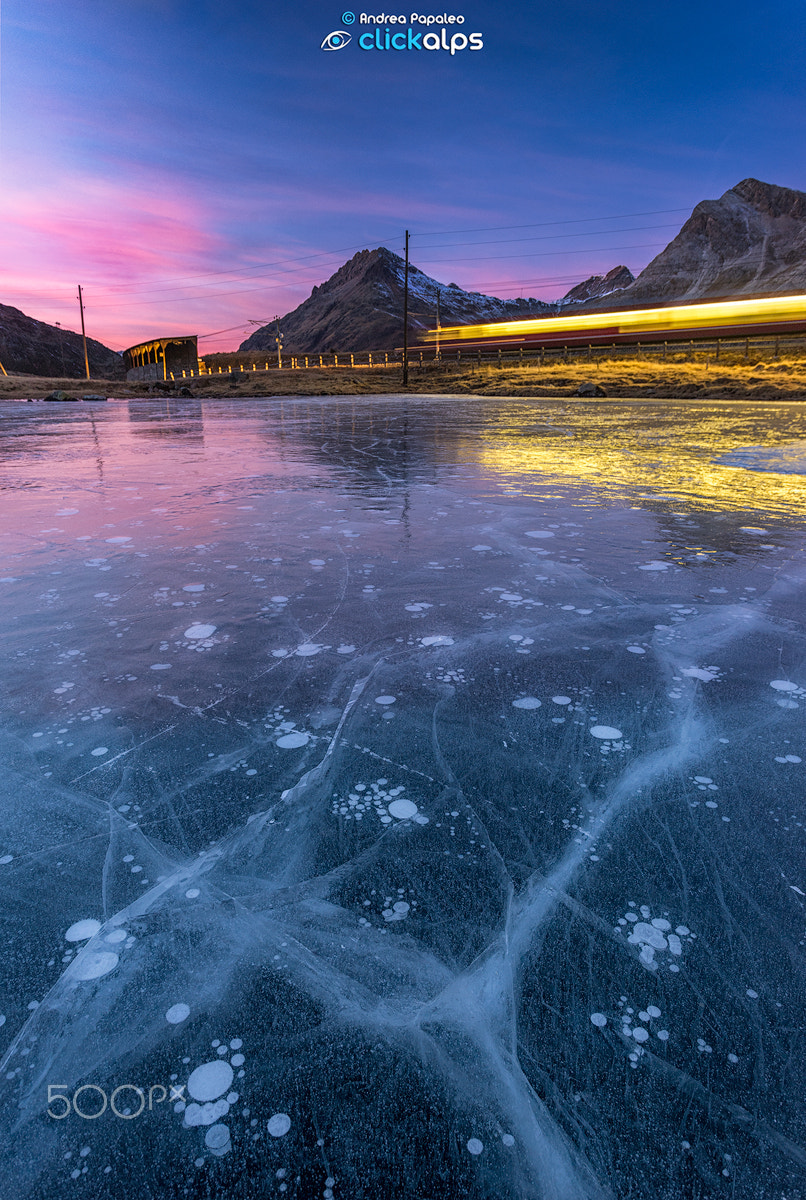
403, 797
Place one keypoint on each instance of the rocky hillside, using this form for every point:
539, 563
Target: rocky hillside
361, 308
30, 347
596, 287
752, 241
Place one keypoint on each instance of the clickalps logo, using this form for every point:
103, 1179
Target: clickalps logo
387, 33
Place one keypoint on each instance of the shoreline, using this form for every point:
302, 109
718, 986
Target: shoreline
634, 379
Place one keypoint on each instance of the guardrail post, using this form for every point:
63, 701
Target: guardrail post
746, 347
776, 348
717, 348
664, 350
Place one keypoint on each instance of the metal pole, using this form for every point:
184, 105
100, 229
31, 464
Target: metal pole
279, 340
83, 333
438, 325
406, 316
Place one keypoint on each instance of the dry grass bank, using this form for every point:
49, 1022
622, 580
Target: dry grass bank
781, 379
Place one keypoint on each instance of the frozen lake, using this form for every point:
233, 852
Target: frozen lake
403, 797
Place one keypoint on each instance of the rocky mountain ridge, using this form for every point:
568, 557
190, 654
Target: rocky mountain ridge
31, 347
360, 307
751, 241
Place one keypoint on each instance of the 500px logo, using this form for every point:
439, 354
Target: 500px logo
92, 1106
410, 39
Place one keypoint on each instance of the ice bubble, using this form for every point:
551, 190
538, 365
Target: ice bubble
115, 936
384, 699
177, 1013
647, 935
438, 639
192, 893
561, 699
279, 1125
193, 587
204, 1114
655, 565
784, 685
507, 1139
290, 741
217, 1139
403, 809
481, 547
526, 702
307, 649
210, 1080
474, 1146
82, 930
753, 995
94, 964
599, 1020
160, 666
699, 673
636, 650
539, 533
279, 599
346, 650
640, 1034
653, 1010
510, 596
200, 631
606, 732
99, 750
6, 859
117, 541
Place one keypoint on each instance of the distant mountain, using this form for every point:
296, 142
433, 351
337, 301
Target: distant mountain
752, 241
30, 347
361, 308
598, 286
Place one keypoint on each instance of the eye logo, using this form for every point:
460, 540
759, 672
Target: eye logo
336, 40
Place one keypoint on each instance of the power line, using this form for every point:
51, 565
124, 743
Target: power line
548, 237
550, 254
658, 212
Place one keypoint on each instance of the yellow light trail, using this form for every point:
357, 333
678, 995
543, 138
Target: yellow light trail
722, 314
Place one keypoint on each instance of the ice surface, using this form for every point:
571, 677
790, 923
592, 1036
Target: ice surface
373, 825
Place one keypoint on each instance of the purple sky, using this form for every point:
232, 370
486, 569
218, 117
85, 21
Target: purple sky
198, 166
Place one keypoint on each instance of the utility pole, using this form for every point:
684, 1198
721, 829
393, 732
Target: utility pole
83, 332
406, 317
279, 341
438, 325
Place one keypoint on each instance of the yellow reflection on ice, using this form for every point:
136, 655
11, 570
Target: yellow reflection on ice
624, 459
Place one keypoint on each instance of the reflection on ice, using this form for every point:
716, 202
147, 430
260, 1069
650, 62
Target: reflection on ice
459, 856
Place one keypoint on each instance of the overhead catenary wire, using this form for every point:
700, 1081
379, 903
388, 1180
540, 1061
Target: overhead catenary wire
288, 264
